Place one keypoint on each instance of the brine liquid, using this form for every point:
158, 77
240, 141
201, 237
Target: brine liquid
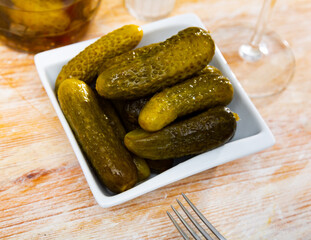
37, 25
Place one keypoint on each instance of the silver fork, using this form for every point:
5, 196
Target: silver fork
195, 223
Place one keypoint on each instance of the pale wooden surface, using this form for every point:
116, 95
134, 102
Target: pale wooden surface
44, 195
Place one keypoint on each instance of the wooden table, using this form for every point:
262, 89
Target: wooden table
43, 192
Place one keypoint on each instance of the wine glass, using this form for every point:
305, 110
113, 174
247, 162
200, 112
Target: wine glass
262, 61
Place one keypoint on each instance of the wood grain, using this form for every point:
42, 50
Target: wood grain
44, 195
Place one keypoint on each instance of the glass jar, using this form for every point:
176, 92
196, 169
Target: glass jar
37, 25
150, 10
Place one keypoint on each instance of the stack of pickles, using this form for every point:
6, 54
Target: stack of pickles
148, 106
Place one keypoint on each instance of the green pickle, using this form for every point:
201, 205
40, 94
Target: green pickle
108, 156
86, 65
126, 57
130, 109
165, 64
38, 5
198, 93
47, 19
195, 135
209, 69
143, 170
113, 117
127, 122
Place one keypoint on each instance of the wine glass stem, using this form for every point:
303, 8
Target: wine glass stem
262, 22
253, 51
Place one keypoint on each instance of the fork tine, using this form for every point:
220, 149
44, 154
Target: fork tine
186, 224
206, 222
204, 233
183, 234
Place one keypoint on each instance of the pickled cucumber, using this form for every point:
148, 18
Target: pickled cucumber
113, 117
128, 124
165, 64
86, 64
108, 156
38, 5
127, 57
40, 17
209, 69
130, 109
195, 135
200, 92
143, 170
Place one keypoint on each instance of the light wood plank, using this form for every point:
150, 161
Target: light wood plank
43, 192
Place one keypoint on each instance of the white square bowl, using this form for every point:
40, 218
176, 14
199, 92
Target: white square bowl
252, 134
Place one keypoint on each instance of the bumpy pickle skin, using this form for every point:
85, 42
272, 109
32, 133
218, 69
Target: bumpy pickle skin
86, 65
107, 155
127, 57
164, 65
195, 135
130, 109
143, 170
197, 93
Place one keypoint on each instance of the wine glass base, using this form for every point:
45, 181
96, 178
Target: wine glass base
262, 71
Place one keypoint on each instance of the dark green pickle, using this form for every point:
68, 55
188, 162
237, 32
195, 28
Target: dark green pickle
127, 123
113, 117
130, 109
200, 92
165, 64
127, 57
143, 170
91, 126
195, 135
86, 65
